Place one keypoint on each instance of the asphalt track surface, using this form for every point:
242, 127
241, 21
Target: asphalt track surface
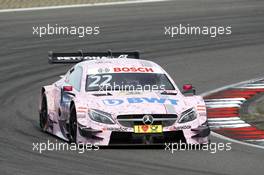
206, 62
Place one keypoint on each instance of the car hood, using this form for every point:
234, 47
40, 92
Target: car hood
122, 103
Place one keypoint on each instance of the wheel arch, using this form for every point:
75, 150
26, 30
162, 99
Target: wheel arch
48, 92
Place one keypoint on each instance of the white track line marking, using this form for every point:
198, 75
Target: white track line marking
223, 102
224, 106
225, 99
213, 123
260, 140
229, 86
224, 119
230, 126
256, 84
250, 87
80, 5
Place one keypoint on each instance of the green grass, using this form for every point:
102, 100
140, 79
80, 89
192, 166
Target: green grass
256, 118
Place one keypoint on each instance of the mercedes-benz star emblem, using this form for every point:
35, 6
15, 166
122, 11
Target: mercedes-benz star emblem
147, 119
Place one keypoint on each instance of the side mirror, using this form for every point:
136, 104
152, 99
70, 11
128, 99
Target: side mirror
188, 88
67, 90
66, 93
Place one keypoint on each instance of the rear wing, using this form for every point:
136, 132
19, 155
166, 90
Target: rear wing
76, 57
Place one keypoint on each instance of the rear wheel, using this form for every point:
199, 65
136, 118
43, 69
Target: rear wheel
43, 114
73, 125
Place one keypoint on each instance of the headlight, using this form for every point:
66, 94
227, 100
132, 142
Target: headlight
101, 117
188, 115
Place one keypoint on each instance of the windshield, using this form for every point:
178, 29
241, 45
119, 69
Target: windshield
128, 82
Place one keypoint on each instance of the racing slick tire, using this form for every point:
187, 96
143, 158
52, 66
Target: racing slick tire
73, 125
43, 114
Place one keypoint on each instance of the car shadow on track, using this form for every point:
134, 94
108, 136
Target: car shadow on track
133, 147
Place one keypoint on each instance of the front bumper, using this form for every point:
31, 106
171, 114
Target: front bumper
104, 137
202, 131
89, 133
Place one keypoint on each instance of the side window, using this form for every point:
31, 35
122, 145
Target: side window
75, 78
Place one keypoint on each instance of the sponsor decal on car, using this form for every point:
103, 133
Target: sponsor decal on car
182, 127
80, 58
115, 102
147, 129
117, 129
103, 70
133, 69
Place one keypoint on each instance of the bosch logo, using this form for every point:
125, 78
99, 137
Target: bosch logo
133, 69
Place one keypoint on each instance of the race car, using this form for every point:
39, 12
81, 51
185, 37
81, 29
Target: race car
115, 98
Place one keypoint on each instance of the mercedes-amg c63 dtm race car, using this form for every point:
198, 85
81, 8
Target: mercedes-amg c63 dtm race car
110, 98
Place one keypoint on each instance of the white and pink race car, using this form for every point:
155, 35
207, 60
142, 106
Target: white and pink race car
115, 98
